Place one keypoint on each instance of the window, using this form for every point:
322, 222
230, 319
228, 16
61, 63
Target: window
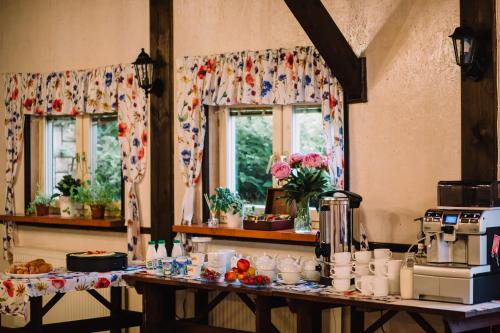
60, 150
308, 130
251, 146
105, 151
86, 147
252, 138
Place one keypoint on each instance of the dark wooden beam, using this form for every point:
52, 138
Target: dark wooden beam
162, 122
333, 47
479, 99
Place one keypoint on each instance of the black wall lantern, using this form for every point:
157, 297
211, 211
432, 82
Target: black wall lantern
145, 71
469, 52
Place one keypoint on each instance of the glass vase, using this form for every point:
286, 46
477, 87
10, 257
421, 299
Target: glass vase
302, 223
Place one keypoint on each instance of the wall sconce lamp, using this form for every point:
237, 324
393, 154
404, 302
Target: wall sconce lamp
145, 71
469, 53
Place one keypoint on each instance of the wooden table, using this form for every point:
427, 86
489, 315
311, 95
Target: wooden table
159, 308
117, 319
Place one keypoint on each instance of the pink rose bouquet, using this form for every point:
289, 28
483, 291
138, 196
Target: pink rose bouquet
281, 170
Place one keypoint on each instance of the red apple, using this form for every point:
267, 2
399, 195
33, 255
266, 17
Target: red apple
243, 264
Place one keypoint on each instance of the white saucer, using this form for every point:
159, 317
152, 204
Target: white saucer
335, 277
290, 284
351, 288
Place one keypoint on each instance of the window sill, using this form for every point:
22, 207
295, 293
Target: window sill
112, 224
287, 236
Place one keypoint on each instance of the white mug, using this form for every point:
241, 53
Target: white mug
197, 258
342, 258
393, 268
362, 257
289, 277
361, 269
341, 284
382, 254
364, 284
378, 267
380, 286
342, 272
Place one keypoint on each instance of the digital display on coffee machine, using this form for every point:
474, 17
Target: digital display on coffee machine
450, 219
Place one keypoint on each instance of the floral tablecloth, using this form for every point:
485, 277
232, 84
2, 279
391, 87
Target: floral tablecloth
15, 293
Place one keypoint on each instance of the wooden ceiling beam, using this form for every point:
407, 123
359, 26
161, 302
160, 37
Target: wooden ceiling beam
333, 47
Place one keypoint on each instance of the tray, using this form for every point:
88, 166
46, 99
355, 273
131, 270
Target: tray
115, 262
267, 225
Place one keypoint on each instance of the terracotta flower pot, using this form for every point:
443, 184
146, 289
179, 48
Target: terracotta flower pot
42, 210
97, 211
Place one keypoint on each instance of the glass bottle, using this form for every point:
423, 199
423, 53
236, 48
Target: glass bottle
406, 276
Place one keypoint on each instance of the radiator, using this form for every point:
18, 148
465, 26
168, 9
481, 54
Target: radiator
73, 306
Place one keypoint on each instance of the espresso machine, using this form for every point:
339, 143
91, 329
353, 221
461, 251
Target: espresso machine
336, 215
462, 237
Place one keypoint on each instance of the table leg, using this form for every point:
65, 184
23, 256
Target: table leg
357, 320
36, 316
263, 315
158, 308
201, 306
308, 315
116, 308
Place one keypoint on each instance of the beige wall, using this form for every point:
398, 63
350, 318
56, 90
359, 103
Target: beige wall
407, 137
52, 35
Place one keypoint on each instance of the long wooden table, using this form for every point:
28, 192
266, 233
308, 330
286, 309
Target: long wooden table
159, 308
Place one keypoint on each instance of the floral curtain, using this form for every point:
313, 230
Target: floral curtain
281, 76
101, 90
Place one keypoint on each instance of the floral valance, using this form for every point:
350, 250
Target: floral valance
280, 76
101, 90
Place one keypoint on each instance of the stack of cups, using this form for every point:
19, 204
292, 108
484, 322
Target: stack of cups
194, 268
361, 261
341, 271
386, 275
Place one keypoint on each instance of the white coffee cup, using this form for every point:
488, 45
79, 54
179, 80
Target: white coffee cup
197, 258
271, 273
341, 284
393, 268
341, 258
380, 286
342, 272
361, 269
193, 271
378, 267
382, 254
362, 257
364, 284
289, 277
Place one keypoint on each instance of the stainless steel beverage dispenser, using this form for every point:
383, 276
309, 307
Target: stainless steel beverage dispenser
335, 226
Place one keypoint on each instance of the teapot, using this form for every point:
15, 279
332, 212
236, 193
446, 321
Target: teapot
264, 261
289, 264
310, 265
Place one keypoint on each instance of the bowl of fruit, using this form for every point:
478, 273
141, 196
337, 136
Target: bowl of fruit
256, 281
245, 274
210, 275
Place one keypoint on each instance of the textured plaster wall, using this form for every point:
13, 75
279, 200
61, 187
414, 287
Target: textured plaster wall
407, 137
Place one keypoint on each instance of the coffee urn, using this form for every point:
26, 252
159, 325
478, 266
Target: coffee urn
335, 227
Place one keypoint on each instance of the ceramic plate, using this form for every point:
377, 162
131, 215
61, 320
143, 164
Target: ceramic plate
256, 286
349, 277
26, 276
351, 288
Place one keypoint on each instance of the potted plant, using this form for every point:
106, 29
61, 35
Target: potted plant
96, 195
227, 202
66, 186
41, 204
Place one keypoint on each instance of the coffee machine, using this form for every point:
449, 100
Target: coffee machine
462, 237
336, 214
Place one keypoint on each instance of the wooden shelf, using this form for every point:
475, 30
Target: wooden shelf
286, 236
57, 220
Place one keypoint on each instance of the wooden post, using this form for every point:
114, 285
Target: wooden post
479, 99
162, 122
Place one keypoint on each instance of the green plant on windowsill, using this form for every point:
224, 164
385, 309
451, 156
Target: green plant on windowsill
225, 201
67, 186
41, 204
96, 195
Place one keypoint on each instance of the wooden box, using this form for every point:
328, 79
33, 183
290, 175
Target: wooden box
275, 204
